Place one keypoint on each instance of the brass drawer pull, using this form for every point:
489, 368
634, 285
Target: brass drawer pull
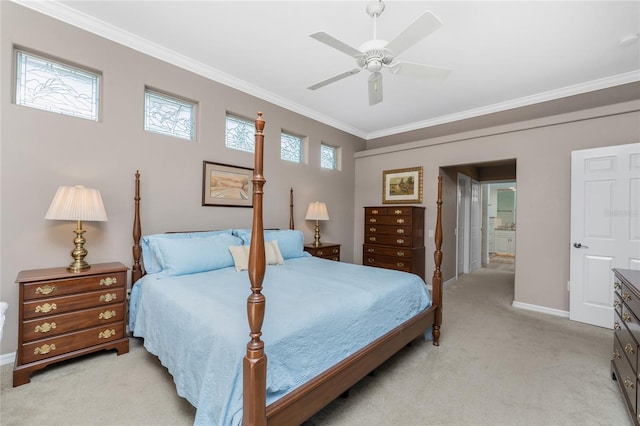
372, 239
398, 211
373, 220
617, 285
108, 297
400, 241
374, 211
616, 354
320, 252
400, 231
106, 334
109, 281
628, 383
400, 221
616, 303
46, 308
45, 328
626, 296
626, 317
629, 349
400, 264
616, 325
44, 349
370, 250
372, 229
370, 260
47, 289
107, 315
400, 253
335, 251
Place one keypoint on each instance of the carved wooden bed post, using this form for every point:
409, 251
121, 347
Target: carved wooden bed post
291, 226
255, 361
436, 281
136, 270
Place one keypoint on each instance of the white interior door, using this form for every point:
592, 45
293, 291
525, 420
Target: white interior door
462, 227
475, 231
605, 227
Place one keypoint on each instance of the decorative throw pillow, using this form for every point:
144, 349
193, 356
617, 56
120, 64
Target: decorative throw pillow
290, 241
240, 255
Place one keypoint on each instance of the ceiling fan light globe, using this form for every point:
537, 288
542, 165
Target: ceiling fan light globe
374, 64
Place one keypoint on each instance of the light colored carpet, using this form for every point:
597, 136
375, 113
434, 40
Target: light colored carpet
497, 365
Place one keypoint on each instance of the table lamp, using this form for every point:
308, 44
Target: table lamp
77, 203
317, 211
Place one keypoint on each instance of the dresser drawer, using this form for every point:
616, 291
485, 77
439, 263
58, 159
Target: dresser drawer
59, 305
630, 298
631, 321
388, 220
617, 303
47, 348
399, 253
396, 230
388, 262
388, 211
627, 342
389, 240
60, 324
625, 376
42, 290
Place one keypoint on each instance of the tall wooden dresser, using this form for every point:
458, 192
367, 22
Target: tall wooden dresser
394, 238
624, 365
64, 315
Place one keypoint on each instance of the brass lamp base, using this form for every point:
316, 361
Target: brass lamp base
316, 237
78, 253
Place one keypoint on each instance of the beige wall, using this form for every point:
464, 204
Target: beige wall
42, 150
542, 149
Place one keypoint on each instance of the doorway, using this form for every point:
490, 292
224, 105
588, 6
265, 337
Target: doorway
500, 222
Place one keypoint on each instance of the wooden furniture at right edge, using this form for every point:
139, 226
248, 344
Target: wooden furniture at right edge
394, 238
624, 365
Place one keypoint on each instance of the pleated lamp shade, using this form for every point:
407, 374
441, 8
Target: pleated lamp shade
77, 203
317, 211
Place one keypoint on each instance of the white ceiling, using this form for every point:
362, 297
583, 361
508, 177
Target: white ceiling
503, 54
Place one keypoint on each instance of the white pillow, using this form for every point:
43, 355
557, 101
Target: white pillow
240, 255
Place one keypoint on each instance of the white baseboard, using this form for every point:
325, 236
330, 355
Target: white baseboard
7, 358
543, 309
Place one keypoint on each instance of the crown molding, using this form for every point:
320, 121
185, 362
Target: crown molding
88, 23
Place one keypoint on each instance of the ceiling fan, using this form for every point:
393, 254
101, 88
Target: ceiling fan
374, 55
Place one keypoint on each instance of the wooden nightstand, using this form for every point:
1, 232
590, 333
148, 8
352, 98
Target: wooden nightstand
329, 251
64, 315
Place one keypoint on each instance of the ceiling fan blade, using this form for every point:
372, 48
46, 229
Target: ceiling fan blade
419, 70
419, 29
334, 79
336, 44
375, 88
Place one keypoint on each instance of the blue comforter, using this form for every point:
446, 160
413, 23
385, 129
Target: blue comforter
318, 312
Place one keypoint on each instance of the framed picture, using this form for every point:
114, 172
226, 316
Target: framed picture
402, 186
225, 185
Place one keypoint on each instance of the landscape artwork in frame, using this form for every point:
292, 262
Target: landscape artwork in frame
225, 185
402, 186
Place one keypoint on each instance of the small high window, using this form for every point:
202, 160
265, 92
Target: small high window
240, 134
169, 115
291, 147
328, 156
53, 86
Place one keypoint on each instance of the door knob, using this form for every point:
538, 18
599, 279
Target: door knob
578, 245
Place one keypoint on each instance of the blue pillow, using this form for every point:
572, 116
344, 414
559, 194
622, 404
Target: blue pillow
149, 248
290, 241
180, 256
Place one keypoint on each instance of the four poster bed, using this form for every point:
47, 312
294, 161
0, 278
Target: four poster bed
328, 324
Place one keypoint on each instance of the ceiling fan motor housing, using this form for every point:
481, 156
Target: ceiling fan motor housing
375, 55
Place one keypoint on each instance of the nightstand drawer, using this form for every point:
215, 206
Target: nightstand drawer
47, 348
41, 290
329, 251
60, 324
59, 305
